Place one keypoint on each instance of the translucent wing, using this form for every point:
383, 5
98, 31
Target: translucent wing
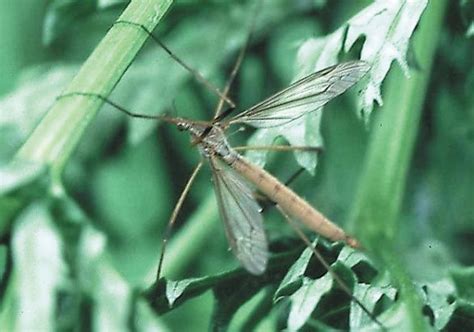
243, 222
303, 96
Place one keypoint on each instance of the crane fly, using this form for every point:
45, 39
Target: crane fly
232, 173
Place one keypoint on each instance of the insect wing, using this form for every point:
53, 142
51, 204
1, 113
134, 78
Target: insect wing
303, 96
243, 222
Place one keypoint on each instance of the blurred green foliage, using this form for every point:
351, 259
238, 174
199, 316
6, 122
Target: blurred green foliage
90, 247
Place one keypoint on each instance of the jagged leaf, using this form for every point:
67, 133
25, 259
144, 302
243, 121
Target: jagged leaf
295, 273
387, 27
369, 295
175, 289
437, 295
305, 299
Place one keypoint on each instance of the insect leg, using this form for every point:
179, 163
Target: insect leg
111, 103
173, 218
334, 275
194, 72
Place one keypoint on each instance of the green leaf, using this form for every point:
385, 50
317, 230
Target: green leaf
169, 294
22, 108
295, 274
396, 318
463, 278
438, 295
231, 294
39, 271
110, 293
305, 299
301, 132
351, 257
377, 205
316, 54
467, 12
232, 290
387, 28
369, 295
130, 192
61, 15
175, 289
470, 30
256, 314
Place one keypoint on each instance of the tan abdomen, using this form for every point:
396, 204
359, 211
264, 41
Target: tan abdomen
290, 202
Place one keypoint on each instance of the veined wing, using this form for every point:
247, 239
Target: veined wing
303, 96
243, 222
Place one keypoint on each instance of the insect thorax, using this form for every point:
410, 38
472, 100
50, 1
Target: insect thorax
211, 141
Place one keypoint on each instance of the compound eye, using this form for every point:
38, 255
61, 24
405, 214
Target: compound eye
181, 126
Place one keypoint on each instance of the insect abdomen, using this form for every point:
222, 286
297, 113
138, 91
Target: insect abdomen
291, 203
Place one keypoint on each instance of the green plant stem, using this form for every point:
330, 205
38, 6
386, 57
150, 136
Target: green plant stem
59, 132
376, 209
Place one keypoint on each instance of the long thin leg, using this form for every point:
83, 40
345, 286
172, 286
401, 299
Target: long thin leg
235, 69
223, 96
334, 275
218, 116
127, 112
111, 103
174, 216
283, 148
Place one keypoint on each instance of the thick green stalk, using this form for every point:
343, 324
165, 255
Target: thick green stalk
376, 210
59, 132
